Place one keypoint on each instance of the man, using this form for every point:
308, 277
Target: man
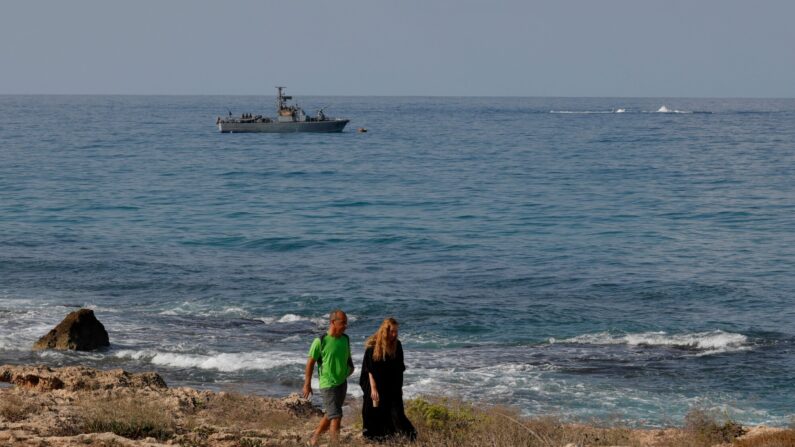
332, 353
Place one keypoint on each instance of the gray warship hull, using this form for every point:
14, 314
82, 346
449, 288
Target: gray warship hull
283, 127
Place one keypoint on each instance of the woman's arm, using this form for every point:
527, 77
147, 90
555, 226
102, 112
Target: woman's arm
373, 390
400, 356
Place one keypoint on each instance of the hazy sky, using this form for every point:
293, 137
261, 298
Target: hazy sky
698, 48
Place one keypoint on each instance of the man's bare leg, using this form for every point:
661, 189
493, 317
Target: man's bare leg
321, 428
335, 431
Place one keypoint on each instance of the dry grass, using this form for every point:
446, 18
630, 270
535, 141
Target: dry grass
244, 413
131, 417
704, 428
14, 408
238, 420
445, 422
784, 438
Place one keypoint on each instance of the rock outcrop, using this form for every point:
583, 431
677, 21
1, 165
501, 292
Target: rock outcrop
79, 406
114, 408
77, 378
79, 331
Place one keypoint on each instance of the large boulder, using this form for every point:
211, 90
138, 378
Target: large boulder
79, 331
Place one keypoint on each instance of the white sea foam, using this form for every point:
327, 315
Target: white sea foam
580, 112
544, 393
22, 336
664, 109
293, 318
587, 112
188, 308
711, 342
225, 362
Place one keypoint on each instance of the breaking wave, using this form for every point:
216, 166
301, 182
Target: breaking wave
225, 362
712, 342
664, 109
292, 318
188, 308
587, 112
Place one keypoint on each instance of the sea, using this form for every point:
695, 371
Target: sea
595, 259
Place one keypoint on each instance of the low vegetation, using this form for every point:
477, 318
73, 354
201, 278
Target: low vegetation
445, 422
243, 413
131, 417
776, 439
14, 408
237, 420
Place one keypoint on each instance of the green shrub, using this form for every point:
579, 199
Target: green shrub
440, 415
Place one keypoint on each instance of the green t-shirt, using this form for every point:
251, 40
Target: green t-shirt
336, 351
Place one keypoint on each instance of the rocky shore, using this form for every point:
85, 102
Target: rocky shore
80, 406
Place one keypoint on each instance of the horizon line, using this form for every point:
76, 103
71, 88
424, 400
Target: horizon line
401, 96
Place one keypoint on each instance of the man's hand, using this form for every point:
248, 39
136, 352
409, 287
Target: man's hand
310, 366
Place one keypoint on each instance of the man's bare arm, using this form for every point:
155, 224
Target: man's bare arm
310, 367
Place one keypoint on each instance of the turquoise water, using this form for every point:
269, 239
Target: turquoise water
589, 257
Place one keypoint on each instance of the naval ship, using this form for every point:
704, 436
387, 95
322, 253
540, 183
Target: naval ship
289, 118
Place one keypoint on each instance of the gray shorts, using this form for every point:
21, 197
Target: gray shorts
333, 398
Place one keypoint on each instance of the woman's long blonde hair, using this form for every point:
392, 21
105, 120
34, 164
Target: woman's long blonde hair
380, 342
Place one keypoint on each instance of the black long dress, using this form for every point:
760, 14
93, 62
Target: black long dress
389, 418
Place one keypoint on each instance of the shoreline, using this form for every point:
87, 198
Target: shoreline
77, 405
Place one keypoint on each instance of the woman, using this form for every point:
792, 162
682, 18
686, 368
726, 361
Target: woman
382, 382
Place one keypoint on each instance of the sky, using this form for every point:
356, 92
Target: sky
597, 48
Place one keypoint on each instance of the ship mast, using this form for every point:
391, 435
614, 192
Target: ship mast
281, 100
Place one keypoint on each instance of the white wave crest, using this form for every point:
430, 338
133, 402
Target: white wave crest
580, 112
664, 109
293, 318
225, 362
711, 342
588, 112
188, 308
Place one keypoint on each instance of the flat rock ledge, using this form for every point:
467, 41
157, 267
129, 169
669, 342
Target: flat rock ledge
57, 406
77, 378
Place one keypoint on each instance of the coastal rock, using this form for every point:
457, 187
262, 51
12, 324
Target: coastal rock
56, 418
300, 407
78, 378
79, 331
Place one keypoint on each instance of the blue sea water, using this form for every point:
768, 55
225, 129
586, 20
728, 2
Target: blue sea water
602, 258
